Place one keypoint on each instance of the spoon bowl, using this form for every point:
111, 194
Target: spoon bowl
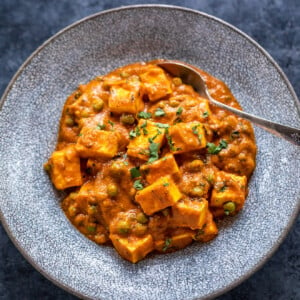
190, 76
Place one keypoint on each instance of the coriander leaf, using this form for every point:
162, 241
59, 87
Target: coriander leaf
205, 114
223, 144
134, 133
135, 172
222, 189
153, 148
234, 134
144, 115
179, 111
155, 136
196, 132
177, 120
162, 125
145, 131
213, 149
101, 126
166, 184
138, 185
111, 123
144, 124
159, 112
170, 142
168, 242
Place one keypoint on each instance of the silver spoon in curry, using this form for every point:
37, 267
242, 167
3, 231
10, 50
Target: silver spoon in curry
189, 75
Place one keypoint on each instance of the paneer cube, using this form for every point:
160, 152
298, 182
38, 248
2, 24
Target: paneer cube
156, 83
95, 143
178, 240
208, 231
228, 188
140, 143
65, 168
123, 100
160, 168
132, 248
190, 213
159, 195
184, 137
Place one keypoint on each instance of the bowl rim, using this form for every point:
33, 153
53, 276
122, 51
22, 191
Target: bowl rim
295, 213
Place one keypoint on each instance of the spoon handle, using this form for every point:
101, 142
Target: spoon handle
289, 133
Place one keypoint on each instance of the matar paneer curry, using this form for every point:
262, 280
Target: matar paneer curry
148, 164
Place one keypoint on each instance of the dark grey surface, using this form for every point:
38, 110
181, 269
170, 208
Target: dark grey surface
25, 25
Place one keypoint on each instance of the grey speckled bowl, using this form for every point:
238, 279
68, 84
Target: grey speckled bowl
31, 108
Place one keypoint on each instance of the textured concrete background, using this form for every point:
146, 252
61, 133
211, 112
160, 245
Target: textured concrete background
275, 24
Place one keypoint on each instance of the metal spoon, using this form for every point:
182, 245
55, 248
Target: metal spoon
192, 77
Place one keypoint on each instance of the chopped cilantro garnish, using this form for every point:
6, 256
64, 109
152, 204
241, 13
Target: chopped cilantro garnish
169, 140
153, 148
135, 172
234, 134
143, 126
111, 123
195, 131
223, 188
179, 111
101, 126
159, 112
162, 125
166, 184
168, 242
205, 114
138, 185
145, 131
144, 115
91, 229
155, 136
213, 149
177, 120
134, 133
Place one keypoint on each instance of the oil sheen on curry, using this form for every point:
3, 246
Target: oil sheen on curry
148, 164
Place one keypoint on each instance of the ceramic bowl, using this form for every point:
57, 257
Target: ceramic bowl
29, 118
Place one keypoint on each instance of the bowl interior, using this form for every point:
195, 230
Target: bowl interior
30, 207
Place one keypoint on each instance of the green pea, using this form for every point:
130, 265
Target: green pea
85, 114
72, 210
177, 81
117, 168
173, 103
127, 119
165, 212
92, 209
69, 121
47, 167
229, 207
195, 165
98, 104
124, 74
197, 191
141, 218
112, 190
123, 226
91, 229
140, 229
73, 195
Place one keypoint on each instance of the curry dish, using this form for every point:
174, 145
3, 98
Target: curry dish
148, 164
